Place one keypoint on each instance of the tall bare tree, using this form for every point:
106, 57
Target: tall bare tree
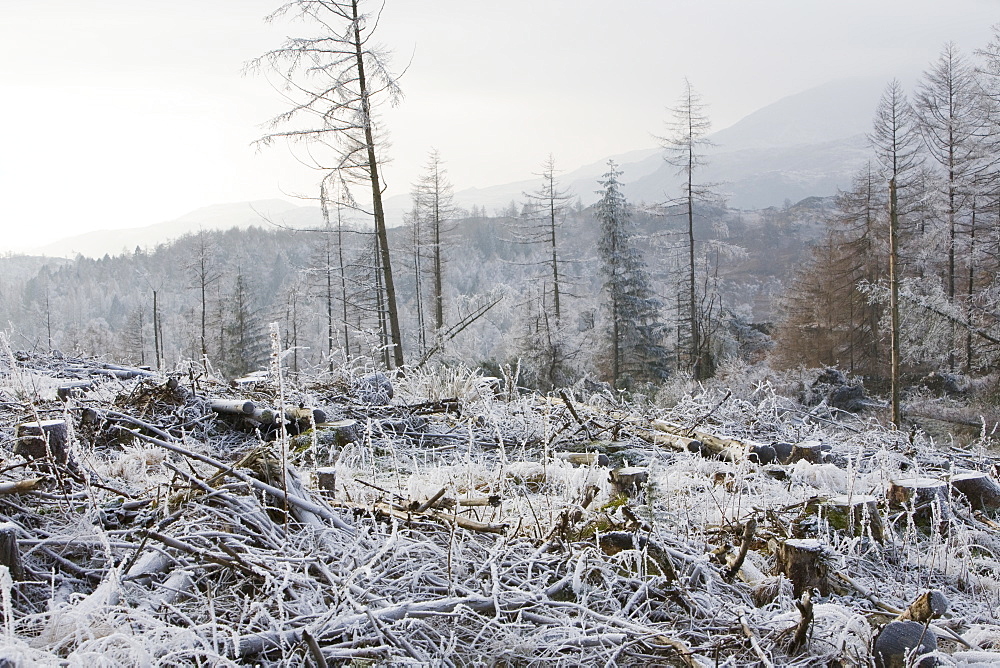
685, 146
896, 141
334, 81
951, 123
433, 200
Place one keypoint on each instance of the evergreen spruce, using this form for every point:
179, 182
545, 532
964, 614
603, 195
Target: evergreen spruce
635, 331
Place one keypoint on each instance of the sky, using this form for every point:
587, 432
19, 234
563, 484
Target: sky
126, 113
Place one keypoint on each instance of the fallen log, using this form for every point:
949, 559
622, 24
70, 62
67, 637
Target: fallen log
584, 458
232, 406
725, 448
20, 486
929, 605
982, 492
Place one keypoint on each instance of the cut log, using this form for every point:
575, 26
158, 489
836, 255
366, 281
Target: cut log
929, 605
855, 514
727, 449
979, 488
306, 417
42, 440
10, 554
629, 480
75, 388
804, 562
584, 458
900, 642
232, 406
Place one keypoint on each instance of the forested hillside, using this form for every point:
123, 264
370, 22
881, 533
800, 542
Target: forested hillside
252, 277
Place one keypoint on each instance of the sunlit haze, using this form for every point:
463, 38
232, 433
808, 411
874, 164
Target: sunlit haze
124, 113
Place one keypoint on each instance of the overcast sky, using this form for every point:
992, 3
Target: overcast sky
124, 113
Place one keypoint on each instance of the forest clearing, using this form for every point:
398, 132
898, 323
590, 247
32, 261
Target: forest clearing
447, 519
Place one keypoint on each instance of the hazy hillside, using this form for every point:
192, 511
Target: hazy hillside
215, 217
801, 146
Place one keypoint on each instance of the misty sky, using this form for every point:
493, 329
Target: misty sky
124, 113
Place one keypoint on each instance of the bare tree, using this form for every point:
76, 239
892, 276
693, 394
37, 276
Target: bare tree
334, 81
685, 147
950, 112
433, 200
205, 274
549, 205
896, 141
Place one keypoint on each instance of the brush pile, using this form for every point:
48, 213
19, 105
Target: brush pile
445, 519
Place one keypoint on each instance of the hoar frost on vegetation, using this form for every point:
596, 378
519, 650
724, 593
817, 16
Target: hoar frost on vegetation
179, 536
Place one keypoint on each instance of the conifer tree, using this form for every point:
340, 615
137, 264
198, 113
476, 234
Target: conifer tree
635, 332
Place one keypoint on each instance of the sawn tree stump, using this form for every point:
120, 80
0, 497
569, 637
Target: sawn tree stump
803, 561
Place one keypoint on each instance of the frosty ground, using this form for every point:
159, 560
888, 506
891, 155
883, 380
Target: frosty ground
464, 522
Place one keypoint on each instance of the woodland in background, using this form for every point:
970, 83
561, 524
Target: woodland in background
541, 289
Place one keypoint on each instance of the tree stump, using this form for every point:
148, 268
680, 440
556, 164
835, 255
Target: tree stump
782, 451
629, 480
326, 480
979, 488
854, 514
899, 642
926, 497
810, 451
373, 389
10, 555
40, 440
803, 561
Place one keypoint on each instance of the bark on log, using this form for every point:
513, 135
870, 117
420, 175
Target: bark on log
803, 561
854, 514
584, 458
232, 406
66, 390
979, 488
20, 486
727, 449
929, 605
898, 643
10, 554
40, 440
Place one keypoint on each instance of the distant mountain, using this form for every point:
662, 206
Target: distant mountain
260, 213
808, 144
804, 145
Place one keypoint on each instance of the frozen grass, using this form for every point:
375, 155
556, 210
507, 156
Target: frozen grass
154, 555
